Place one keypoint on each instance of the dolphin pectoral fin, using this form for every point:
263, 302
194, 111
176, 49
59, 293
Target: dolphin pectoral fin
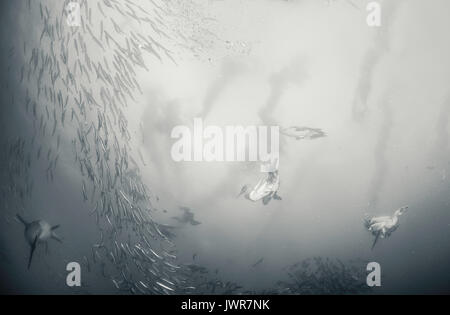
376, 239
33, 247
55, 227
56, 237
19, 217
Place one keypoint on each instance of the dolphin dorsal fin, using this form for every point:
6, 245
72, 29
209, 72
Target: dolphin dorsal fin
19, 217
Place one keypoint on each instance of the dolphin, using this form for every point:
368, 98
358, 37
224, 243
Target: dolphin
38, 232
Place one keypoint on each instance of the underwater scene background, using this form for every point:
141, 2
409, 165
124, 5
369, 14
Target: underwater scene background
87, 112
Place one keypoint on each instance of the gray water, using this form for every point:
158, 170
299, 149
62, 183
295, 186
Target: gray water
380, 94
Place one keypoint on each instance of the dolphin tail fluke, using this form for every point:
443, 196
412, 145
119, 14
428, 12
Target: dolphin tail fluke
33, 247
56, 237
376, 239
55, 227
19, 217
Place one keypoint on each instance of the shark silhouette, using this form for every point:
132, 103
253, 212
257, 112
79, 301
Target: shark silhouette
38, 232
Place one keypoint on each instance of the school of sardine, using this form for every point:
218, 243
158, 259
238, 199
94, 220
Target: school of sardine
78, 80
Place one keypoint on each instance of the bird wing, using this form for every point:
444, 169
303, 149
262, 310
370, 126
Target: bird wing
380, 219
376, 239
267, 199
